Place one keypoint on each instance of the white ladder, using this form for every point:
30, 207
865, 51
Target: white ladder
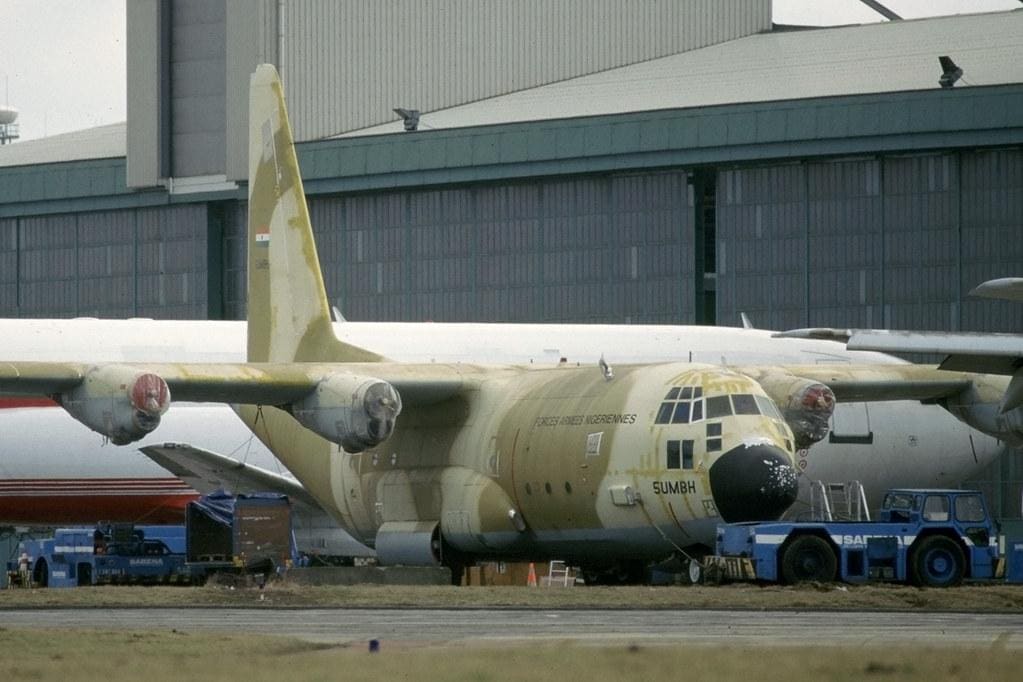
558, 574
838, 501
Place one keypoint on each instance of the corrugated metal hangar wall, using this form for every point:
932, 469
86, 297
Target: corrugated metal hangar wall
891, 241
589, 249
148, 262
346, 64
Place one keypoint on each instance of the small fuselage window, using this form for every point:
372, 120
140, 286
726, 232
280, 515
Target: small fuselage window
713, 436
680, 454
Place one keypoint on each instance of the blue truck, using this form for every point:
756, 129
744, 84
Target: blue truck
106, 553
141, 555
244, 534
926, 537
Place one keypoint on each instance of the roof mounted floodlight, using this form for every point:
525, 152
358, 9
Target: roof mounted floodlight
950, 73
410, 117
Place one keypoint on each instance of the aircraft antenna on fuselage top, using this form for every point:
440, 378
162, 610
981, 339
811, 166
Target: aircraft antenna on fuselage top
289, 315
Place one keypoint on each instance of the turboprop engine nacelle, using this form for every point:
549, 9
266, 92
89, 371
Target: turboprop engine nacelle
983, 406
807, 406
356, 412
121, 403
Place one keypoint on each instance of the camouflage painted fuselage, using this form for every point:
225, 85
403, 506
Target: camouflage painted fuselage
554, 462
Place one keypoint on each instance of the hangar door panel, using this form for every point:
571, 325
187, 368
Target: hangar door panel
592, 249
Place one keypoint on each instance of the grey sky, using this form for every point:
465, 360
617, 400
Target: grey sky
63, 61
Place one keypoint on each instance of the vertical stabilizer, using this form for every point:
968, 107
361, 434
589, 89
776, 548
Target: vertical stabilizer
289, 317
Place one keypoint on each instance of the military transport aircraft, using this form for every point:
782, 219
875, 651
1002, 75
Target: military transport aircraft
438, 462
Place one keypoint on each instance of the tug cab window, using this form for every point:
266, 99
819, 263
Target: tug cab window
936, 508
970, 509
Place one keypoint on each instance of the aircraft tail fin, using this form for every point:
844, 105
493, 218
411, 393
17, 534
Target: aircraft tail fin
289, 315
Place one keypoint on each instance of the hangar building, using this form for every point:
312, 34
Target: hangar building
675, 161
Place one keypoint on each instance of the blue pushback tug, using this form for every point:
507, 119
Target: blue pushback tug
933, 538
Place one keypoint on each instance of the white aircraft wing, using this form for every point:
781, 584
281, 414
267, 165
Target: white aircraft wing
207, 471
964, 351
983, 352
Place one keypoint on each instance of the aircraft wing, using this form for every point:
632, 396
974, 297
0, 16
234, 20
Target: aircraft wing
988, 353
285, 383
964, 351
244, 383
870, 383
351, 404
207, 471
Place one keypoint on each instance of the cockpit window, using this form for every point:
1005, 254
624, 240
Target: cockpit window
768, 407
682, 405
744, 404
718, 406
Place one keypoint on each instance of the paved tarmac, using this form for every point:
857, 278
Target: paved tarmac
762, 628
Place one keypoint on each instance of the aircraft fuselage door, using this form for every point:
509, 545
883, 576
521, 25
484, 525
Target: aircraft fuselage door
850, 423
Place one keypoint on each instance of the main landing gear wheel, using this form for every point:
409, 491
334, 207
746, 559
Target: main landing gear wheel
808, 558
937, 562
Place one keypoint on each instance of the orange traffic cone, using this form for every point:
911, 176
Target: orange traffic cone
531, 580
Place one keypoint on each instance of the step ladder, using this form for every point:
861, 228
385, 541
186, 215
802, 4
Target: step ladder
558, 574
838, 501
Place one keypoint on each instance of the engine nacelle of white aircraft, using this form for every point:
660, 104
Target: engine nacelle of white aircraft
981, 407
807, 406
356, 412
119, 402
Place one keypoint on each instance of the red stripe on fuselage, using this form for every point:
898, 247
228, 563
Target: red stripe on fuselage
11, 403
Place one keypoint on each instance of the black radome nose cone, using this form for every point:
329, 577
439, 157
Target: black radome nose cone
753, 483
